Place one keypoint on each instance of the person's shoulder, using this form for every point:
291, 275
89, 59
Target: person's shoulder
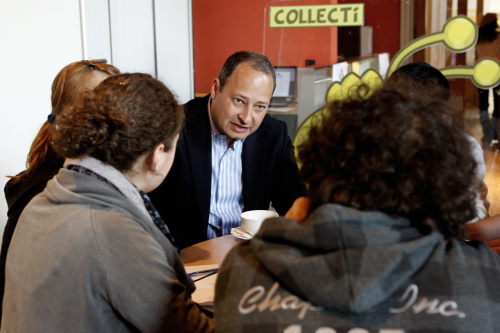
23, 190
196, 111
196, 103
474, 144
477, 153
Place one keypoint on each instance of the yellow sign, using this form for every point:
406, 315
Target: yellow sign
317, 16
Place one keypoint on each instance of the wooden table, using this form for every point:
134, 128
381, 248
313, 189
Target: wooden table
209, 252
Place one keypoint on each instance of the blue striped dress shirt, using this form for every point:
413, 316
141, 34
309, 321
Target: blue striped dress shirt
226, 198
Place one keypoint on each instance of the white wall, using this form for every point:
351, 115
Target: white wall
37, 39
174, 47
148, 36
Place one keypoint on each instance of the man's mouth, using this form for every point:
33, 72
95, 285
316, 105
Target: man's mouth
239, 128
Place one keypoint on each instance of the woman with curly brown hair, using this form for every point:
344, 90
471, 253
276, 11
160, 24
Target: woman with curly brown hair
91, 253
389, 192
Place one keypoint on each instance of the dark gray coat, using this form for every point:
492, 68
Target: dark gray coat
343, 269
85, 259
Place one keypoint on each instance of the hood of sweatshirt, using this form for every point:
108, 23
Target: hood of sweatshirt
341, 258
70, 187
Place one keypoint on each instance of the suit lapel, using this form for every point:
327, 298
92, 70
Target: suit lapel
199, 147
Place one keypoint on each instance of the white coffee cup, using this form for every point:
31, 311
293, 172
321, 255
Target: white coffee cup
253, 219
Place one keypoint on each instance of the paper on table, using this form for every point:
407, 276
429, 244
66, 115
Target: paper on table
241, 233
205, 288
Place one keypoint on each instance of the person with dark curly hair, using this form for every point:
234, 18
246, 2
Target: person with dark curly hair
91, 253
389, 193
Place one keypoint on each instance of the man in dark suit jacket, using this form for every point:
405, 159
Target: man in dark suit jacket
236, 106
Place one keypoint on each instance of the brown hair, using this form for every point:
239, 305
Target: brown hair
69, 83
395, 154
124, 117
258, 61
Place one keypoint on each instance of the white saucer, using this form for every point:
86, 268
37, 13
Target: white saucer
240, 233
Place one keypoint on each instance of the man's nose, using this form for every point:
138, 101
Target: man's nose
246, 115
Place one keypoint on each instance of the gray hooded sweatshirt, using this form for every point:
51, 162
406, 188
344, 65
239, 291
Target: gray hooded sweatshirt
84, 258
343, 269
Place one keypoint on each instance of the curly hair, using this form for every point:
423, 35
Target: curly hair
394, 154
124, 117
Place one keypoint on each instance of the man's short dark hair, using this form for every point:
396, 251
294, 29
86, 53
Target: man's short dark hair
420, 78
258, 62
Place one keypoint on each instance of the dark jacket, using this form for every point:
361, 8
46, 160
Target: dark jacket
343, 269
270, 174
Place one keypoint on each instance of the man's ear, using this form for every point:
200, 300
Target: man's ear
215, 89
